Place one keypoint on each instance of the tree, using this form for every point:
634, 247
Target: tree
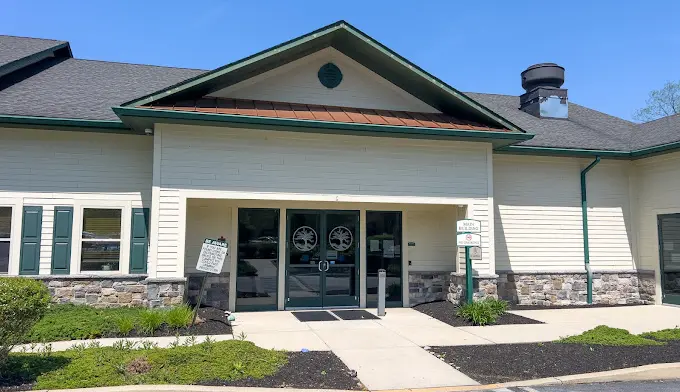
661, 103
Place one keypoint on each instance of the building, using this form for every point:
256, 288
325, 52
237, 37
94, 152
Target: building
320, 161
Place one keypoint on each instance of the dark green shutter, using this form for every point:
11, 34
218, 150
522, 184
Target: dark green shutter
139, 242
29, 261
61, 244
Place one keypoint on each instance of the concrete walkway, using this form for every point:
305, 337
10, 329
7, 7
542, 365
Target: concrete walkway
387, 353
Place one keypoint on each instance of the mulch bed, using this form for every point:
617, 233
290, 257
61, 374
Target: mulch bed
445, 311
310, 370
214, 323
541, 307
515, 362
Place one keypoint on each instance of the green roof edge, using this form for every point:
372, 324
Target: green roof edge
32, 59
312, 125
68, 124
578, 152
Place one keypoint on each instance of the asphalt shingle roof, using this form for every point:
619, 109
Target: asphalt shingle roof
15, 48
87, 89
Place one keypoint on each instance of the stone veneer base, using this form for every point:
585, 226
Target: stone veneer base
427, 286
629, 287
216, 291
114, 290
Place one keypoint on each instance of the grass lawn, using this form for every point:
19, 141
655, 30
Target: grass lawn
608, 336
112, 366
664, 334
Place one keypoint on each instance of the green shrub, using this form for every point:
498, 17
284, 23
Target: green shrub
483, 312
608, 336
125, 324
69, 322
479, 313
150, 320
179, 316
22, 303
664, 334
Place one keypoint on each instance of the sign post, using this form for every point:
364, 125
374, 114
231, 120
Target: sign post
210, 261
467, 236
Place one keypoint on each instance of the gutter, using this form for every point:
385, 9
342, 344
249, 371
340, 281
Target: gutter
584, 212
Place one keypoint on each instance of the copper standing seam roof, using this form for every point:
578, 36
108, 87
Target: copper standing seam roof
247, 107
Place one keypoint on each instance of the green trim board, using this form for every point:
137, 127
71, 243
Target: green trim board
355, 44
579, 152
141, 118
31, 229
61, 240
34, 58
66, 124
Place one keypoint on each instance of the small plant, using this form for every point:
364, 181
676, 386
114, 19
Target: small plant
242, 336
148, 345
483, 312
150, 321
238, 368
94, 344
180, 316
190, 341
125, 325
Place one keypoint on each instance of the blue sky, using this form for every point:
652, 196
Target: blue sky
614, 52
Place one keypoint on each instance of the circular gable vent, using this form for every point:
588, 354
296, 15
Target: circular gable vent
330, 75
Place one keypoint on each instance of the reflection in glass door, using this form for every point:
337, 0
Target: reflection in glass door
669, 254
322, 258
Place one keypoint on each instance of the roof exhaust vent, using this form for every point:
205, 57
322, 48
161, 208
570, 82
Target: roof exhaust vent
544, 97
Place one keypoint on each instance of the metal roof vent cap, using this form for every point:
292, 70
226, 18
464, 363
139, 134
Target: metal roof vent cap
543, 75
544, 96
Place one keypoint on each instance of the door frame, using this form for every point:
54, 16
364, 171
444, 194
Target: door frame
673, 299
322, 255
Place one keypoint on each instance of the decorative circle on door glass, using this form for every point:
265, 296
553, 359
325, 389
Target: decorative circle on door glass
304, 238
340, 238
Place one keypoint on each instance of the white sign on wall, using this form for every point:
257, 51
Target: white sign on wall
475, 253
469, 226
213, 253
469, 239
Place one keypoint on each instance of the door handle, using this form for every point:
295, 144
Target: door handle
328, 266
319, 265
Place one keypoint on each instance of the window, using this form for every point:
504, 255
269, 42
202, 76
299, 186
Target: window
258, 259
100, 250
383, 251
5, 231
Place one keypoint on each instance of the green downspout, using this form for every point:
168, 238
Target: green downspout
584, 212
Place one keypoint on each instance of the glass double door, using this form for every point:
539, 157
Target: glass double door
322, 258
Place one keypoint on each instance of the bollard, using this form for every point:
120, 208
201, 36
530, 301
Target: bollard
382, 276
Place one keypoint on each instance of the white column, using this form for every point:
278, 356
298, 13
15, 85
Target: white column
404, 257
362, 258
281, 295
491, 217
233, 257
152, 261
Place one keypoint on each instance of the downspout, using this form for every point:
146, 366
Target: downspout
584, 212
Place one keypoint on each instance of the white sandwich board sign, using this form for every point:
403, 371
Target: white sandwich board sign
469, 239
469, 226
213, 253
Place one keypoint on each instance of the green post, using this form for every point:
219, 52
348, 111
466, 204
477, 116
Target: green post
468, 275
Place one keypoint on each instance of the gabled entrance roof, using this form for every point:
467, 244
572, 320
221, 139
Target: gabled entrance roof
351, 42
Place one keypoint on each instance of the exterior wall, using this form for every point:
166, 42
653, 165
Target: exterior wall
206, 162
656, 189
79, 169
298, 82
538, 215
433, 230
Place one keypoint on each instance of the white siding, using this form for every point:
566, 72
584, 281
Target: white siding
207, 219
657, 191
298, 82
56, 168
204, 162
433, 231
538, 214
